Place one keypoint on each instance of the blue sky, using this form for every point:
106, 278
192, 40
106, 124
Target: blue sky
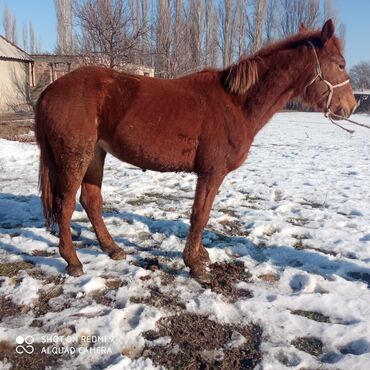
42, 15
355, 14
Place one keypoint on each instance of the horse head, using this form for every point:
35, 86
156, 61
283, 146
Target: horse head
328, 88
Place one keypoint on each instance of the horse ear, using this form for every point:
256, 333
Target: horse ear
327, 31
303, 28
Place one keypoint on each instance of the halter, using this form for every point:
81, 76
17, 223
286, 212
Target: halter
331, 87
328, 113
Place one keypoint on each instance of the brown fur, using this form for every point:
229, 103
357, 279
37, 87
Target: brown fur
202, 123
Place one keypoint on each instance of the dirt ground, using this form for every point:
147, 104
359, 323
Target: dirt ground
17, 127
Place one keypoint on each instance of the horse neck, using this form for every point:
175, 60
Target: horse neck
282, 76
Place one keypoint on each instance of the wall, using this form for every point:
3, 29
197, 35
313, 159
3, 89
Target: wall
48, 67
14, 88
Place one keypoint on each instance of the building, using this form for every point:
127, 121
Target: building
16, 71
24, 77
49, 67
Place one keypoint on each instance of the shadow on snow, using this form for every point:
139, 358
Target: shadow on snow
21, 215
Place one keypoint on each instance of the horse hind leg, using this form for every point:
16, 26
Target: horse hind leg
92, 201
65, 205
70, 174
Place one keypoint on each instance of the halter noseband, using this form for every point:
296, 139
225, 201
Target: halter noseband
321, 77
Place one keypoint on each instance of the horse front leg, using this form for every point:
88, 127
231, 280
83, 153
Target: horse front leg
195, 255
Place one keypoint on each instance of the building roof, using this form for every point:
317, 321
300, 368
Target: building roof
12, 52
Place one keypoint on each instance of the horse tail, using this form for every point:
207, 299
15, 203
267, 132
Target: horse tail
47, 168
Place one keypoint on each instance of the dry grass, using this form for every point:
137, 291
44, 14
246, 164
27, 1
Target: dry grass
114, 283
234, 228
159, 300
310, 345
42, 306
224, 277
43, 253
8, 308
100, 297
316, 316
270, 277
11, 269
199, 343
17, 127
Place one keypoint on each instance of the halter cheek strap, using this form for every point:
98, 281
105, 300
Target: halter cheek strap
320, 76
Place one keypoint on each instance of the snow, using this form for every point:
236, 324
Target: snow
95, 283
24, 293
305, 183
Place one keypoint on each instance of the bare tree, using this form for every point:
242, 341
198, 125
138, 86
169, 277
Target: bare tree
226, 23
106, 30
38, 47
360, 75
7, 22
10, 25
241, 28
178, 25
176, 38
259, 15
196, 13
330, 12
163, 38
14, 37
210, 30
342, 33
145, 43
32, 45
295, 12
25, 36
179, 36
187, 36
65, 40
140, 25
271, 20
29, 41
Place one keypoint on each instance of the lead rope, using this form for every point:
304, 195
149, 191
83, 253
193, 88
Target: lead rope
328, 113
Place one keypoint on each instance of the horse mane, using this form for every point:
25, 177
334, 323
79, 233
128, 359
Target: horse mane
239, 77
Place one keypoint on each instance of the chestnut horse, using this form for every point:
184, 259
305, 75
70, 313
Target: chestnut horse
203, 123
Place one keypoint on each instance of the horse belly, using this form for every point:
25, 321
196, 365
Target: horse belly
154, 152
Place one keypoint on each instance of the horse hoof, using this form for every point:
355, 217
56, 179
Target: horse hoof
117, 254
200, 274
75, 271
204, 256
